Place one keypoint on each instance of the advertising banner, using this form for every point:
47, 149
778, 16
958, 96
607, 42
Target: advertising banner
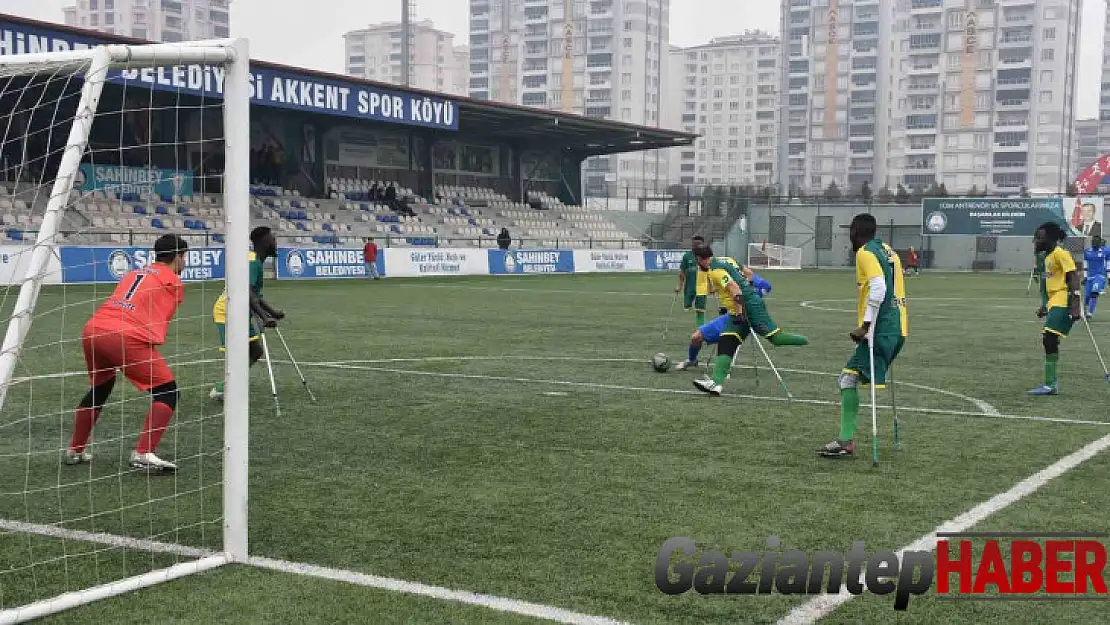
14, 260
1009, 217
298, 263
120, 180
505, 262
663, 260
436, 262
594, 261
109, 264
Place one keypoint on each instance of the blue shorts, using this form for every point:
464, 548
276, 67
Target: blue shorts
713, 330
1096, 284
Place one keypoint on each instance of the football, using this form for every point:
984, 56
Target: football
660, 362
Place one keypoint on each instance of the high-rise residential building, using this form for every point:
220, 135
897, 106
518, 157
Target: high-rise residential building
460, 73
984, 95
1087, 146
153, 20
375, 53
601, 58
834, 117
975, 95
727, 92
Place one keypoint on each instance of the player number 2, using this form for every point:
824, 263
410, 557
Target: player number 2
134, 287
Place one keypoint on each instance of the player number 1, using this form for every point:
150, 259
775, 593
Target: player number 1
134, 287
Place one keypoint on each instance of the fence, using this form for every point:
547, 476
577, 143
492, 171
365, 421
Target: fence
820, 229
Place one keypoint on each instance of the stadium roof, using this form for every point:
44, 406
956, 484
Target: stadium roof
502, 122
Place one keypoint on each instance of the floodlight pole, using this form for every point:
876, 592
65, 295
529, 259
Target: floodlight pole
406, 37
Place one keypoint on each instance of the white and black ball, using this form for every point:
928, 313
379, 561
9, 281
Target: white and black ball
661, 363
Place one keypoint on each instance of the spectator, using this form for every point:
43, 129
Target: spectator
912, 262
504, 239
374, 193
370, 257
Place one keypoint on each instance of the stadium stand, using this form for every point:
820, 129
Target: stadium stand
459, 217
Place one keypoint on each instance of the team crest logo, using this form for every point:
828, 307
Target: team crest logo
295, 263
510, 262
79, 179
119, 263
936, 222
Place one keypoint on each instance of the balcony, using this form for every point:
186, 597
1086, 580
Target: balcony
921, 148
1010, 165
1013, 104
1022, 59
1013, 124
1011, 146
1022, 81
924, 69
925, 7
923, 86
1015, 40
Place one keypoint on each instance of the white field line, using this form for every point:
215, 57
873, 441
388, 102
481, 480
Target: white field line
500, 604
986, 409
982, 405
819, 607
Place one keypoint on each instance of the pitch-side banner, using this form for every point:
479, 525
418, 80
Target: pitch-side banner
413, 263
1001, 217
325, 262
663, 260
14, 260
503, 262
109, 264
591, 261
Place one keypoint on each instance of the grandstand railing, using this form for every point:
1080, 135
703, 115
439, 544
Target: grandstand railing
140, 238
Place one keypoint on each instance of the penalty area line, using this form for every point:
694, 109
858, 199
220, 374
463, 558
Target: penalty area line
668, 391
500, 604
819, 607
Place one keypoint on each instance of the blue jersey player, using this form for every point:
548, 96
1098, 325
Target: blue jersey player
1095, 260
761, 286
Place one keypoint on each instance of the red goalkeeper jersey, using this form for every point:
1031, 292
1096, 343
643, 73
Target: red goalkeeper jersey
142, 305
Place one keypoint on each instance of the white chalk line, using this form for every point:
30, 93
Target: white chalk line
984, 406
500, 604
819, 607
815, 304
993, 413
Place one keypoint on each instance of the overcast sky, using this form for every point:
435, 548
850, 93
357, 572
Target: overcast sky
308, 33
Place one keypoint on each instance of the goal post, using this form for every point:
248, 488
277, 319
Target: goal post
52, 556
772, 256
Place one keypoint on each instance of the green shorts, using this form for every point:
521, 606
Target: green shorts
757, 315
221, 329
887, 348
1058, 321
696, 301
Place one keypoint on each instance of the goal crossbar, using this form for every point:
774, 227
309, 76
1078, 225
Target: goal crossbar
93, 65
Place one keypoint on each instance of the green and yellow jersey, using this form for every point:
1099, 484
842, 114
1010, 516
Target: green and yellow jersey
219, 311
722, 272
877, 259
1054, 266
696, 280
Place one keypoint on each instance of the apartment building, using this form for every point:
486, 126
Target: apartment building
727, 91
434, 61
153, 20
601, 58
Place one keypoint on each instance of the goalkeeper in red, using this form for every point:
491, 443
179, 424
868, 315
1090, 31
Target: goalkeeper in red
124, 334
1060, 297
882, 315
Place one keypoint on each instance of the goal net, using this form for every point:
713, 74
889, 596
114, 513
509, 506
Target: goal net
103, 152
771, 256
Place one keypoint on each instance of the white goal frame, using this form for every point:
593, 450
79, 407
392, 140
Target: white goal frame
772, 256
95, 63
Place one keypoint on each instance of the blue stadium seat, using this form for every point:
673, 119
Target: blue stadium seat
218, 238
156, 223
15, 235
296, 204
130, 197
161, 210
301, 226
139, 210
165, 198
328, 228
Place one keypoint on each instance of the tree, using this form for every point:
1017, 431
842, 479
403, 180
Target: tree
832, 192
973, 191
865, 192
901, 196
1072, 190
942, 191
1024, 192
885, 196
